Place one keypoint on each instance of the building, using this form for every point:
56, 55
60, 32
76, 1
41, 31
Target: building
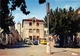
19, 28
78, 11
33, 28
45, 32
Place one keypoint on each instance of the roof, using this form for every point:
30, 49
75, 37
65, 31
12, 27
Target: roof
30, 19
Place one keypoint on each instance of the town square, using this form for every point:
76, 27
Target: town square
39, 28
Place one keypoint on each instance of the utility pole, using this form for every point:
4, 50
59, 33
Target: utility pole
48, 40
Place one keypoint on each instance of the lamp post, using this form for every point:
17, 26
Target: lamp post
48, 39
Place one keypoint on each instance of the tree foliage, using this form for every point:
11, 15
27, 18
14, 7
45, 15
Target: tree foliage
7, 6
63, 22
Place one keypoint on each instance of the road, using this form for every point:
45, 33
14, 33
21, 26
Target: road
35, 50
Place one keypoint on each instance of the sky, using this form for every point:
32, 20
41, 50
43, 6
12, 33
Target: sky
39, 10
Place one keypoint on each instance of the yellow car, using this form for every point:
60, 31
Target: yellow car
43, 41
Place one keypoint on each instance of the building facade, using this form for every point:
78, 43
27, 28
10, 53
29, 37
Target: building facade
78, 11
45, 32
33, 28
19, 28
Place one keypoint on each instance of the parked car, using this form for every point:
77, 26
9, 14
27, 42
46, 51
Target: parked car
35, 42
26, 40
43, 41
29, 42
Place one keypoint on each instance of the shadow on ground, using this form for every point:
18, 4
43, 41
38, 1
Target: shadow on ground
59, 51
68, 47
18, 45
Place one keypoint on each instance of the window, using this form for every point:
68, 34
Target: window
30, 37
37, 37
37, 30
44, 32
34, 38
30, 24
34, 31
37, 24
30, 30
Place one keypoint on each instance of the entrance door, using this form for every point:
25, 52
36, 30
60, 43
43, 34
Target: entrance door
30, 37
34, 38
37, 37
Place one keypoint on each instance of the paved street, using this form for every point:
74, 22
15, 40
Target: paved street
35, 50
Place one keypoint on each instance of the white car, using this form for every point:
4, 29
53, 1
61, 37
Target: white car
29, 42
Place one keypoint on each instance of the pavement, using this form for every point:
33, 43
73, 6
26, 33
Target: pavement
73, 49
38, 50
69, 49
62, 52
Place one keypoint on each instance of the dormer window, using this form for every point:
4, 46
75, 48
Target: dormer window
34, 20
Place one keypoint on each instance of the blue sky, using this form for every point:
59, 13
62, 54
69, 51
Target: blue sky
39, 10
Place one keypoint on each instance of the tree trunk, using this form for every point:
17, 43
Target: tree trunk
61, 43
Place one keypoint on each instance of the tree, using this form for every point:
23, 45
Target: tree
64, 23
41, 1
5, 10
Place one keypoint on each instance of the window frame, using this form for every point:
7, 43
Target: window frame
37, 24
37, 30
30, 23
30, 30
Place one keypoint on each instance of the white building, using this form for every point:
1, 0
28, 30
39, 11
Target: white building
33, 28
19, 28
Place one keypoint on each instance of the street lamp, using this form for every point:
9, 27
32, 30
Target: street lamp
48, 39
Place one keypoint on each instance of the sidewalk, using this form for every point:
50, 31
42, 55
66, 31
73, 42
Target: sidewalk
64, 52
73, 49
60, 51
70, 49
